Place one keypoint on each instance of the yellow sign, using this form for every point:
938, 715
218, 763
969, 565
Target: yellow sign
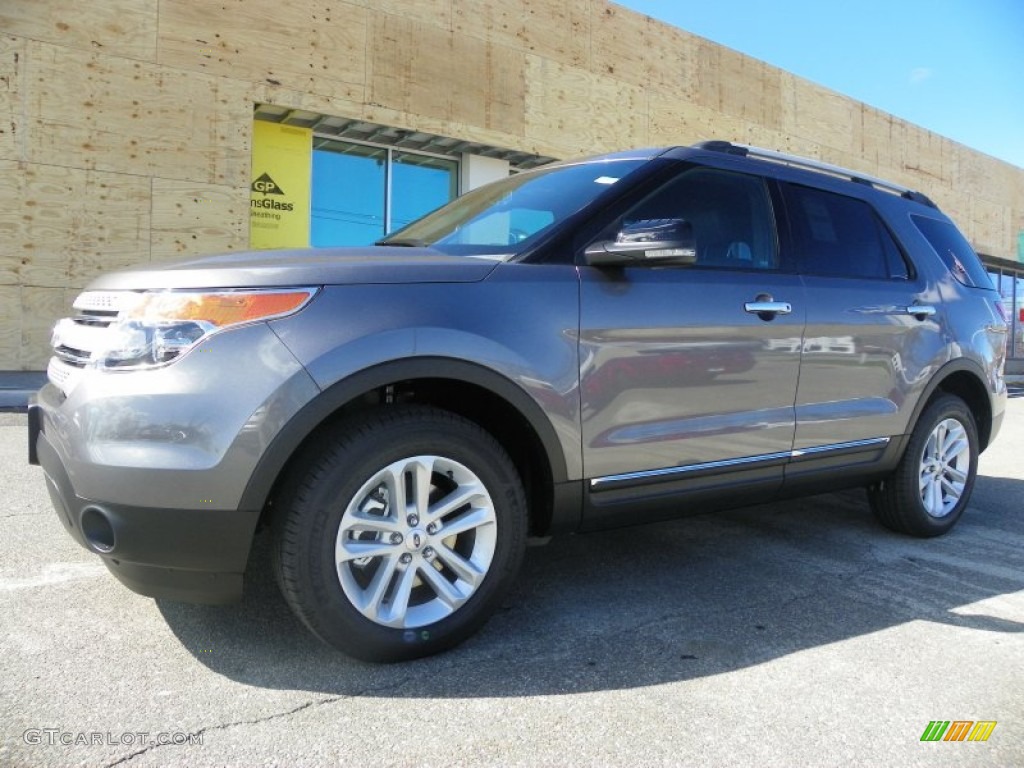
282, 157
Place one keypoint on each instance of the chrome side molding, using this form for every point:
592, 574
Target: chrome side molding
668, 473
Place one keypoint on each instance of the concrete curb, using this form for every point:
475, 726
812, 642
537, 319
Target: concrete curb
17, 386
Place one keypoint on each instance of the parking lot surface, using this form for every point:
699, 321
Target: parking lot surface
798, 633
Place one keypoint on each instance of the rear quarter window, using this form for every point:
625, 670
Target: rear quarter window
954, 250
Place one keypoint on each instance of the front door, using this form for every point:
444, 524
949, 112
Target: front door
689, 373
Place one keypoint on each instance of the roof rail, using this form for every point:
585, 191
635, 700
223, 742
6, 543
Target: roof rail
796, 161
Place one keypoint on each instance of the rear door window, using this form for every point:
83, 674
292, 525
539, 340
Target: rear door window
841, 236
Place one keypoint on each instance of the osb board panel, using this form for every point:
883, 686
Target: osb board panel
63, 226
397, 117
928, 158
738, 85
115, 27
1006, 181
954, 205
986, 177
816, 113
582, 112
317, 46
990, 227
676, 122
873, 137
421, 69
40, 309
435, 12
10, 327
707, 81
783, 142
190, 218
642, 51
554, 29
12, 71
89, 110
846, 160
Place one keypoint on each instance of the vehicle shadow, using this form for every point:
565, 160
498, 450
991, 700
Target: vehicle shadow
655, 604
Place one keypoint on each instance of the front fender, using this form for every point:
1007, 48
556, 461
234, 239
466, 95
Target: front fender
314, 413
514, 334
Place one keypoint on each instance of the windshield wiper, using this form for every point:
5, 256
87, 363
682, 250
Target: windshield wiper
407, 243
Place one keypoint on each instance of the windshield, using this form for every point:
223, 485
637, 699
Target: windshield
508, 215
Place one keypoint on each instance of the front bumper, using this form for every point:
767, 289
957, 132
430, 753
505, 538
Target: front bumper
191, 555
148, 469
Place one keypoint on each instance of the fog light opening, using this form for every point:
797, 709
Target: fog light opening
97, 529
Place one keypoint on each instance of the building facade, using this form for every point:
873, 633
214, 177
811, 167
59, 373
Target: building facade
137, 130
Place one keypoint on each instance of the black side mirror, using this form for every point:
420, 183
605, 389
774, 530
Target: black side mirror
648, 241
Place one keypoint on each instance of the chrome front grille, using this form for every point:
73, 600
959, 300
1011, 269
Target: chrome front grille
75, 339
103, 302
76, 357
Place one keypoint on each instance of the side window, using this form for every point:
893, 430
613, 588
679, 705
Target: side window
730, 213
954, 250
841, 236
894, 258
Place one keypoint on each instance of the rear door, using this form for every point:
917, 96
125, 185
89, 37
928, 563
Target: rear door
685, 384
873, 329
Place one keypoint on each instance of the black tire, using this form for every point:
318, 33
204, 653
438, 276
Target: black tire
342, 497
899, 501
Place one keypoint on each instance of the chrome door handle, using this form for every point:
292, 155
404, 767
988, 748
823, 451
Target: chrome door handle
920, 311
768, 307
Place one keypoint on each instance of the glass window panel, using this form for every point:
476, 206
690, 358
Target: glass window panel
348, 193
420, 184
1018, 318
511, 211
954, 250
730, 214
994, 277
841, 236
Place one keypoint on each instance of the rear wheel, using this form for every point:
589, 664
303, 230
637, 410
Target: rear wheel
403, 534
931, 486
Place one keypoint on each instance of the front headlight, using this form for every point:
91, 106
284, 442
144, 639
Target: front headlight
158, 327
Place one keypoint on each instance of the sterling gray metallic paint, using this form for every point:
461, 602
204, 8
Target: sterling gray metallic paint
642, 373
321, 266
190, 432
651, 339
520, 322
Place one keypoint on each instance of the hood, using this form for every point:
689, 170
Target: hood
310, 266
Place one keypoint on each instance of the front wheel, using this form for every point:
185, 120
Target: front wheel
929, 489
402, 535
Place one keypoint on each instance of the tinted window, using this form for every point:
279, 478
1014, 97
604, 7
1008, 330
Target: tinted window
730, 214
954, 250
499, 217
841, 236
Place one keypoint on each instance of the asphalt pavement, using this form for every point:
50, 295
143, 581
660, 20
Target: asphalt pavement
791, 634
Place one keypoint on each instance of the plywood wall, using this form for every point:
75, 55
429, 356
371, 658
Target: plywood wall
125, 125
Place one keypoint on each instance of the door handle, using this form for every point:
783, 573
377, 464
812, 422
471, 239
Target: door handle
920, 311
769, 308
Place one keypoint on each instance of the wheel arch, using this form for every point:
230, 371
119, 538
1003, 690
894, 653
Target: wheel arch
495, 402
966, 380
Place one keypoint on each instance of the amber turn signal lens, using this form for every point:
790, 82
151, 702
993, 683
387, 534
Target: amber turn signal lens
218, 309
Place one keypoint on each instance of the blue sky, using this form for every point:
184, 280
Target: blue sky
955, 67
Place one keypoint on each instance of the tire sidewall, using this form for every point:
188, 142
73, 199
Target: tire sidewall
946, 407
362, 453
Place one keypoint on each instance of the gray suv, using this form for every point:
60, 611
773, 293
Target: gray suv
616, 340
